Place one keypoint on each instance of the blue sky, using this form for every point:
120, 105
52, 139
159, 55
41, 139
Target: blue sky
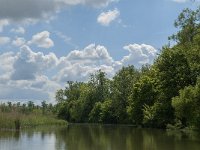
44, 43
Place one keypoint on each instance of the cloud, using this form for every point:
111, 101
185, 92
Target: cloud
37, 90
78, 64
3, 23
80, 72
33, 10
21, 10
6, 61
22, 75
19, 41
69, 73
105, 18
4, 40
19, 30
42, 39
92, 54
14, 93
184, 1
35, 75
28, 64
139, 54
93, 3
180, 1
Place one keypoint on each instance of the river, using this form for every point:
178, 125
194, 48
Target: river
97, 137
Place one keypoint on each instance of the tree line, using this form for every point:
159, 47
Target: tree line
28, 108
167, 92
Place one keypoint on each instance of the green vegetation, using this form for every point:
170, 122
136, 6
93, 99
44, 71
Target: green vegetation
168, 92
16, 116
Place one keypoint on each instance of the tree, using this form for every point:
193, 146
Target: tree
44, 106
60, 96
187, 105
100, 84
188, 23
66, 98
102, 112
30, 105
143, 94
173, 73
122, 86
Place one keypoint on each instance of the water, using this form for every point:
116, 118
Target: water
93, 137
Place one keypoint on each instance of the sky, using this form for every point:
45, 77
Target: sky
45, 43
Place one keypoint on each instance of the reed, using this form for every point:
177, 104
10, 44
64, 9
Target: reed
15, 120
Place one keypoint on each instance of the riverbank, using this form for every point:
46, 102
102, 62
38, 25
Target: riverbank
13, 120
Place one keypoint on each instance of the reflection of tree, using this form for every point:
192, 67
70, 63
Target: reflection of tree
97, 137
10, 135
17, 135
90, 137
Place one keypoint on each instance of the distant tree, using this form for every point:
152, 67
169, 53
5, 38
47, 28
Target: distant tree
24, 109
18, 104
44, 106
9, 104
30, 105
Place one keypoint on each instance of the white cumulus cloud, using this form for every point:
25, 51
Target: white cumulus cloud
42, 39
22, 75
105, 18
78, 64
34, 75
139, 54
28, 64
6, 61
92, 54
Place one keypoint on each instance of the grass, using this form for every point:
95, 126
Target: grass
14, 120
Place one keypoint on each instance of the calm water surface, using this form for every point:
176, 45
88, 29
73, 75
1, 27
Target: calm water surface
94, 137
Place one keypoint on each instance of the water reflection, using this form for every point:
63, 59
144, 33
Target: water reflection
92, 137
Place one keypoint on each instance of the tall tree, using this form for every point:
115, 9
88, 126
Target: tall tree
122, 86
187, 22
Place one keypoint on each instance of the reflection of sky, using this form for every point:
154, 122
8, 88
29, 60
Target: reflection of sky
35, 141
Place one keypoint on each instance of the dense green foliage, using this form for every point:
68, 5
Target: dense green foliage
17, 115
187, 105
165, 93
